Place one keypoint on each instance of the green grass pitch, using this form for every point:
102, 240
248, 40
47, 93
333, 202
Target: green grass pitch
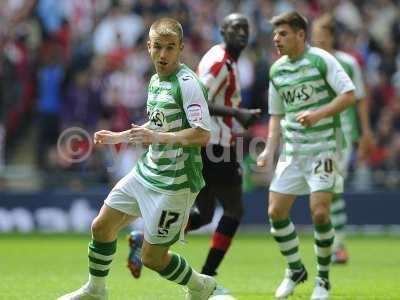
43, 267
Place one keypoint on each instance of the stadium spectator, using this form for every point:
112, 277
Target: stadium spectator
369, 31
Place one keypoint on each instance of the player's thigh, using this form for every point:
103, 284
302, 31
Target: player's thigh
230, 198
224, 179
320, 206
123, 196
323, 173
221, 168
289, 177
165, 216
205, 202
279, 205
108, 223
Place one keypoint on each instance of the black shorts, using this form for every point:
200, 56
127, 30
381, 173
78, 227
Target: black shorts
220, 166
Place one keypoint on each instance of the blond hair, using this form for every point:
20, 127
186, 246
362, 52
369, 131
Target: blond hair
166, 27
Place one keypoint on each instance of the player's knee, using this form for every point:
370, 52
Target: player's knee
320, 215
206, 218
275, 213
100, 232
235, 212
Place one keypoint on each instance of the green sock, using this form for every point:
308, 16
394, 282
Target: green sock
339, 219
324, 235
285, 234
180, 272
100, 257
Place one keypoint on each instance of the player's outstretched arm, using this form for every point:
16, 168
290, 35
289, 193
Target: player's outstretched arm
272, 143
185, 137
107, 137
245, 117
367, 141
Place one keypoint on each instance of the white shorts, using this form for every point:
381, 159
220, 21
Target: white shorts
302, 175
165, 216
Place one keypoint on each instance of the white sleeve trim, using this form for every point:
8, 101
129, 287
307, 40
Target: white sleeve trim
275, 104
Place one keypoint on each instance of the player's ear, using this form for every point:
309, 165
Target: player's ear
148, 45
182, 46
302, 34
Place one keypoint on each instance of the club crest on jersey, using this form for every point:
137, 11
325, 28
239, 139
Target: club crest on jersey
194, 113
300, 93
157, 118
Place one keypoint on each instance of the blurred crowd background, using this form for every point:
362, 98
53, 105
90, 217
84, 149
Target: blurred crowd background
84, 63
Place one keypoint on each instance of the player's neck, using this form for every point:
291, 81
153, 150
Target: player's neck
297, 52
172, 72
232, 53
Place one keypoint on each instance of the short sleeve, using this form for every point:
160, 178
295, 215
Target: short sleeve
275, 104
336, 76
213, 70
194, 102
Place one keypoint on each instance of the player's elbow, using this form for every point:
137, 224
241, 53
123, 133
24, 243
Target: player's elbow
202, 137
350, 98
205, 137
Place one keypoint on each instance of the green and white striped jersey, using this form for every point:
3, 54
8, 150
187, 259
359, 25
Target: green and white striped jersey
308, 83
349, 117
174, 103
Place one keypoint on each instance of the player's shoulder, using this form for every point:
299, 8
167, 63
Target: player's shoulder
215, 53
323, 60
187, 78
154, 78
278, 64
346, 57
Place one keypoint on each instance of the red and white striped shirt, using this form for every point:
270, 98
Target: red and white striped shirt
219, 73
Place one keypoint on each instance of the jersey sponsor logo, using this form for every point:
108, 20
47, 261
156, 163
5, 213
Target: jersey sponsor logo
194, 113
157, 117
300, 93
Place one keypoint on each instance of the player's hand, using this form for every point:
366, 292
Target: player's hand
247, 117
366, 145
308, 118
264, 159
142, 136
106, 137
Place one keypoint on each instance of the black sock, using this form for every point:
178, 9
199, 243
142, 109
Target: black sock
221, 241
